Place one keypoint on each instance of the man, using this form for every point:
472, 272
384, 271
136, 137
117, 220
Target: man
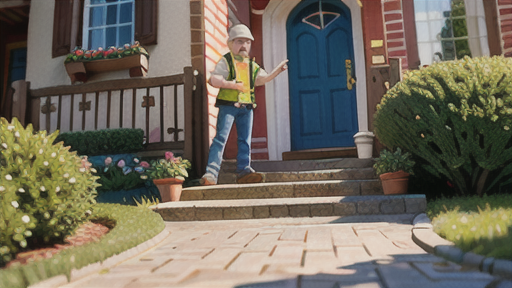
236, 75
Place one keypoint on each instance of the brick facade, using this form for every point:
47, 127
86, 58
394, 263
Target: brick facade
394, 30
505, 19
215, 45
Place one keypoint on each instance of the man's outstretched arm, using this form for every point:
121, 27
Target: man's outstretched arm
264, 78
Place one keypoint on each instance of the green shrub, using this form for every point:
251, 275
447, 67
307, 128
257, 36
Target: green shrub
131, 226
393, 162
456, 116
45, 190
101, 142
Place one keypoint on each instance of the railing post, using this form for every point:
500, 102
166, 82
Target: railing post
200, 122
188, 101
35, 106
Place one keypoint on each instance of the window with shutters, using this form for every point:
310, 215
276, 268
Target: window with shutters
103, 23
108, 23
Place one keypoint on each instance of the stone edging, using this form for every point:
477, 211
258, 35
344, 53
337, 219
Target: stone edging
108, 263
424, 235
207, 210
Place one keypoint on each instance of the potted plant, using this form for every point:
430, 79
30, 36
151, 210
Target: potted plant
168, 175
394, 170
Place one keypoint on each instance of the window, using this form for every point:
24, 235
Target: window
108, 23
450, 29
68, 28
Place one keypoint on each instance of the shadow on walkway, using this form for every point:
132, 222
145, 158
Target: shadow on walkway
414, 270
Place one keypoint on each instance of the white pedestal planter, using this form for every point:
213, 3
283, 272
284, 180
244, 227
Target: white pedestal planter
364, 144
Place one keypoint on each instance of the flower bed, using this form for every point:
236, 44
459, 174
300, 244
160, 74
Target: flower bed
80, 63
123, 180
131, 226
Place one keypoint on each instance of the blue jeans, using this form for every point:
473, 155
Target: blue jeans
243, 118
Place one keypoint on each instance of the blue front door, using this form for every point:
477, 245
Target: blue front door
322, 105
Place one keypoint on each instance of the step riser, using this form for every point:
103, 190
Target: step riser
301, 165
355, 206
320, 175
284, 190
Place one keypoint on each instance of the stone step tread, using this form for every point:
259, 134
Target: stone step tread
310, 175
245, 186
284, 201
301, 165
290, 207
283, 190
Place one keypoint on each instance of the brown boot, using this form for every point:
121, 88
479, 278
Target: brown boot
252, 177
208, 179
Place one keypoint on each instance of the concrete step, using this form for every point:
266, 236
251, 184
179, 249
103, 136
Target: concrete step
315, 175
229, 166
283, 190
290, 207
322, 153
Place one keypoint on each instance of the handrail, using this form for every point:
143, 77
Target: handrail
108, 85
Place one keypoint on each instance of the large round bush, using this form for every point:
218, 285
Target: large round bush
457, 116
45, 190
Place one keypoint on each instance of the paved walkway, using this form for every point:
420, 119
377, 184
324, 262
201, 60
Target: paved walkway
353, 251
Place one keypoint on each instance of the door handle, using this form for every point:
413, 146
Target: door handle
350, 80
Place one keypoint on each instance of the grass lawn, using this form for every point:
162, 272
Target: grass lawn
482, 225
131, 227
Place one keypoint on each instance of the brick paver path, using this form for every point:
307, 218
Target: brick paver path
356, 251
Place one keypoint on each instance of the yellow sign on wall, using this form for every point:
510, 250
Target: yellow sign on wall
377, 43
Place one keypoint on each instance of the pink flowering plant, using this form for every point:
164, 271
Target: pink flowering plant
170, 167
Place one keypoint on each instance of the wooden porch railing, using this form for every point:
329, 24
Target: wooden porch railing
162, 107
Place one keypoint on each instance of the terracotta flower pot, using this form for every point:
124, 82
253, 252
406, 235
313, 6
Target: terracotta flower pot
395, 182
170, 188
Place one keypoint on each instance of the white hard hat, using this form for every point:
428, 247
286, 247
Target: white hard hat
240, 31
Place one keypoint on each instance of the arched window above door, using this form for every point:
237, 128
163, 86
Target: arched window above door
323, 15
316, 20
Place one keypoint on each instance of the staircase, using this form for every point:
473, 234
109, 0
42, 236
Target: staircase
299, 188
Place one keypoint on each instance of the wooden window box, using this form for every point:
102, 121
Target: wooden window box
79, 71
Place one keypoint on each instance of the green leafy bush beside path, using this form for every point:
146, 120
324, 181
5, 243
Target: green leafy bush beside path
457, 116
45, 190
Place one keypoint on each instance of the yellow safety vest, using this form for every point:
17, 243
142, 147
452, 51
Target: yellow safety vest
239, 73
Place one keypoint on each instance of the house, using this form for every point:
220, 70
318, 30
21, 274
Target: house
343, 55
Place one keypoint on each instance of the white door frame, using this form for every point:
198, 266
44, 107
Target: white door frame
276, 92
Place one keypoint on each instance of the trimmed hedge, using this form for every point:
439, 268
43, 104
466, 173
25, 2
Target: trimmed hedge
107, 141
456, 116
133, 225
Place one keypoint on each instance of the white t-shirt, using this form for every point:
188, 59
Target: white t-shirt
222, 69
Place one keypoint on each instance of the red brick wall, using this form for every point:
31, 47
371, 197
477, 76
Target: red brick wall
505, 18
394, 30
215, 35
